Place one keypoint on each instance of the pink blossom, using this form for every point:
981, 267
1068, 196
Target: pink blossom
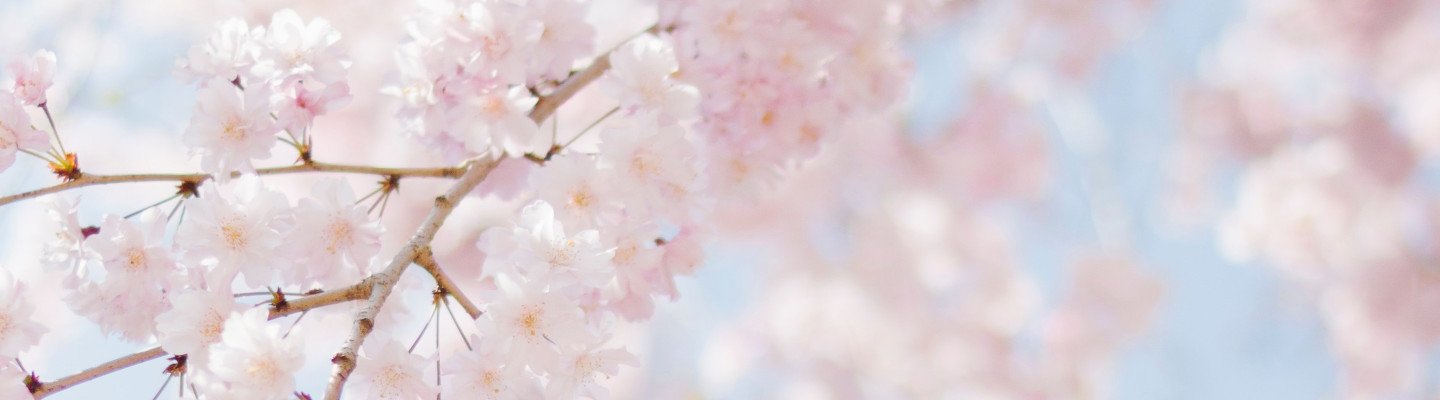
488, 373
253, 359
18, 330
334, 238
496, 120
237, 228
230, 127
33, 76
640, 78
532, 321
387, 371
16, 132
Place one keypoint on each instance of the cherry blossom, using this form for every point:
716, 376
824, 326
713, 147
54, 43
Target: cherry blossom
540, 249
564, 37
297, 50
656, 163
195, 322
486, 373
334, 238
302, 101
139, 270
236, 229
230, 127
580, 191
18, 330
33, 76
16, 132
67, 251
254, 360
641, 79
532, 321
390, 372
134, 252
501, 36
575, 372
228, 55
12, 382
496, 120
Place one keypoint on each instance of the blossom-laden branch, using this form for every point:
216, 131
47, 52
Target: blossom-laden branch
374, 289
84, 180
384, 281
345, 360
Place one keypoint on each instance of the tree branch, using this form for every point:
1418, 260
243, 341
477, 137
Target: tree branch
374, 288
314, 166
426, 260
383, 282
47, 389
358, 291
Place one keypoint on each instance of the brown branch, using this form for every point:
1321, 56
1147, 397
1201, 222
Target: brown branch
382, 282
49, 388
385, 281
314, 166
426, 260
354, 292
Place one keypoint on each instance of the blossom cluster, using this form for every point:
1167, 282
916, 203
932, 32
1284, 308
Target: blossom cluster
1327, 113
31, 77
467, 71
256, 82
724, 115
128, 276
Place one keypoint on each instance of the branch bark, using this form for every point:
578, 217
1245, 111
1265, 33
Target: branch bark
426, 260
384, 281
358, 291
314, 166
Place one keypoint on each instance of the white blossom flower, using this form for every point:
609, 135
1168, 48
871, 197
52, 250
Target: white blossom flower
497, 119
134, 253
564, 37
502, 38
33, 76
573, 374
67, 251
195, 321
230, 127
640, 77
581, 193
139, 270
656, 165
16, 132
12, 382
18, 331
532, 321
254, 360
297, 50
236, 229
392, 373
334, 238
228, 55
539, 248
485, 373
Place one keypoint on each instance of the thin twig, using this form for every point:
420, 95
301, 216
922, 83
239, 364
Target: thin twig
426, 328
458, 329
426, 260
94, 179
588, 128
46, 107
